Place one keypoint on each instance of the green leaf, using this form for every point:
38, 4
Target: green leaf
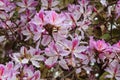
103, 76
105, 36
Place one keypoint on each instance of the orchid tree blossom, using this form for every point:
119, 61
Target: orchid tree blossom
6, 22
9, 71
22, 57
108, 54
27, 5
36, 25
29, 73
55, 55
57, 24
6, 5
32, 55
54, 36
74, 49
99, 45
50, 25
79, 15
39, 18
117, 9
6, 13
114, 70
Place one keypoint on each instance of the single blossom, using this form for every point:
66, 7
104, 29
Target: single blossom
114, 70
55, 54
6, 5
9, 71
117, 9
27, 5
29, 73
49, 26
22, 56
74, 49
25, 55
39, 19
99, 45
108, 53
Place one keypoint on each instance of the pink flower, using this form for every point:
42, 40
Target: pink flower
36, 25
32, 55
74, 14
56, 25
99, 45
27, 5
73, 8
116, 47
6, 5
74, 49
91, 43
27, 33
91, 57
117, 9
73, 19
36, 56
1, 4
29, 73
26, 17
6, 22
22, 56
114, 70
39, 19
108, 53
55, 52
8, 71
78, 15
55, 19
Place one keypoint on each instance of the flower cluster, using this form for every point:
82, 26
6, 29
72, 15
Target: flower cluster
11, 71
39, 39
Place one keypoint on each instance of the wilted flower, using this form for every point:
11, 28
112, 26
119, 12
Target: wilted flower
50, 25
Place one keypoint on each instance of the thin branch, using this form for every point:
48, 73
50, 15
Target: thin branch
68, 74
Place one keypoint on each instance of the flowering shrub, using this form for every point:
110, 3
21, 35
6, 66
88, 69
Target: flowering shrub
59, 40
